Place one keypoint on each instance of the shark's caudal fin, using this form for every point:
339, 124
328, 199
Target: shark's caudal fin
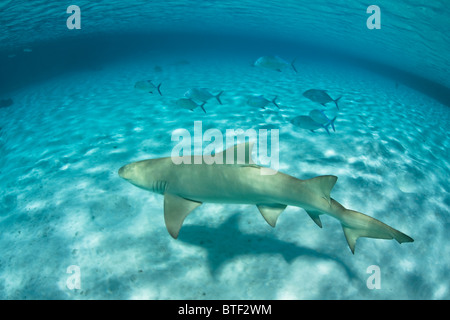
356, 224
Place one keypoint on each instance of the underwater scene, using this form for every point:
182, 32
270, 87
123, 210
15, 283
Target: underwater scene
224, 150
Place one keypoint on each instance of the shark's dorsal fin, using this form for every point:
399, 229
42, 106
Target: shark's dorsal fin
238, 154
270, 212
176, 210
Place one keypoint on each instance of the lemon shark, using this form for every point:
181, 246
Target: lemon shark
186, 186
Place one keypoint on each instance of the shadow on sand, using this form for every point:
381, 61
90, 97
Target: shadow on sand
226, 243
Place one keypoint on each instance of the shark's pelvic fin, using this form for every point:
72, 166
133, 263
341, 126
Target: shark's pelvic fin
315, 216
270, 212
176, 210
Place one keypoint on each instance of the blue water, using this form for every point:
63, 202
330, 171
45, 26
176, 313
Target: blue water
77, 117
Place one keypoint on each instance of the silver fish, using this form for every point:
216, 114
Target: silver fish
189, 104
320, 117
261, 102
148, 86
320, 96
202, 95
274, 63
306, 122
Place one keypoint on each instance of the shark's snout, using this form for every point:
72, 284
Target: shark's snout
122, 172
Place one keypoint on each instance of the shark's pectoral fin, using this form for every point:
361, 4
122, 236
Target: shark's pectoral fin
315, 216
176, 210
270, 212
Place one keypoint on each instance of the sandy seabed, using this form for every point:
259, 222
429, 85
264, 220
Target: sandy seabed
62, 202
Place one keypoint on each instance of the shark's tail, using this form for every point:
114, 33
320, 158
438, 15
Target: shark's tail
356, 224
217, 96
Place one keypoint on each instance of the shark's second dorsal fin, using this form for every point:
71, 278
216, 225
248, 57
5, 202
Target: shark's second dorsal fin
176, 210
238, 154
323, 185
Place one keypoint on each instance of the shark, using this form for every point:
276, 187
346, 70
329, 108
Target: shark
186, 186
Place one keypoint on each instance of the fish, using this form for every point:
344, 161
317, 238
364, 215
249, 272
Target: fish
306, 122
6, 103
261, 102
274, 63
320, 96
148, 86
202, 95
320, 117
189, 104
185, 187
